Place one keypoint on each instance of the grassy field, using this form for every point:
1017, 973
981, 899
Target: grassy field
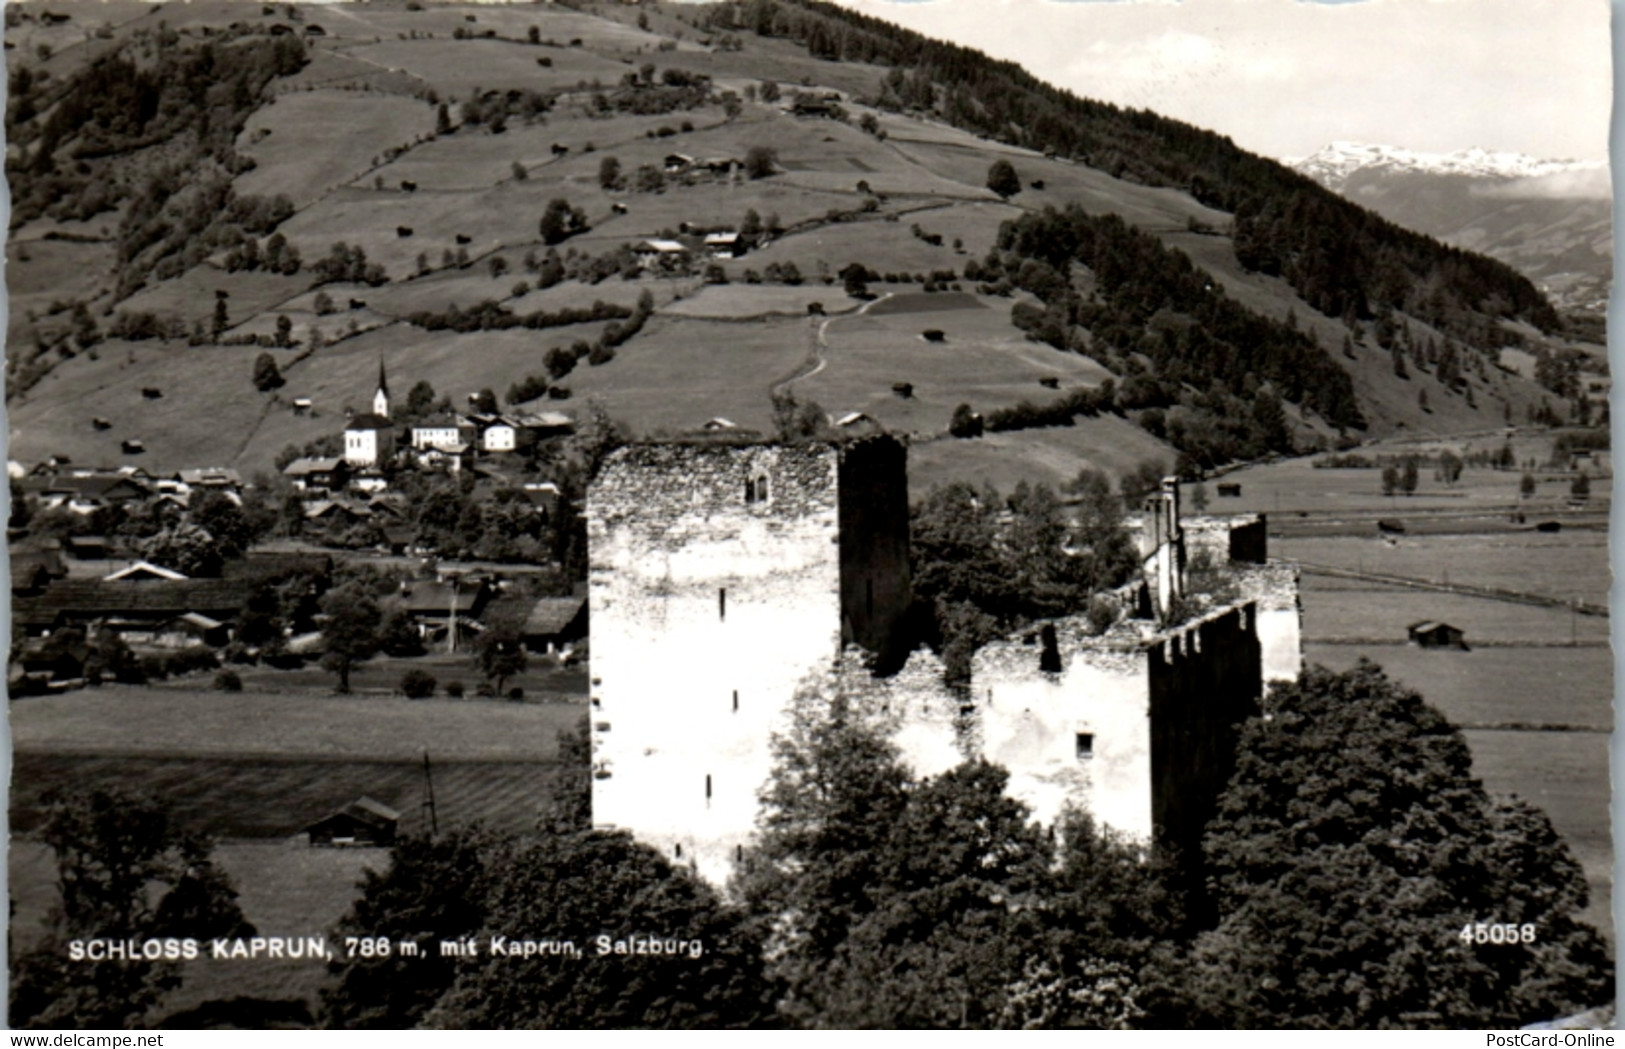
1566, 774
123, 719
1570, 565
1341, 608
311, 142
1051, 456
248, 797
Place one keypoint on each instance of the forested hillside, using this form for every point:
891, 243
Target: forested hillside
1343, 260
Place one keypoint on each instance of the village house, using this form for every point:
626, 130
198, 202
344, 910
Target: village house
362, 823
329, 474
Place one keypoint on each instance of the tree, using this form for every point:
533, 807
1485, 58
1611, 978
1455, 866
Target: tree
609, 173
597, 889
186, 548
761, 161
1352, 820
420, 399
485, 402
1144, 478
418, 683
1526, 485
434, 889
1003, 180
1408, 475
1450, 466
123, 869
1390, 479
855, 279
769, 91
350, 632
560, 221
220, 322
323, 304
442, 120
892, 902
500, 653
1581, 486
284, 330
965, 422
266, 375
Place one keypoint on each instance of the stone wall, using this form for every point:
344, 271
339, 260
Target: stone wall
1204, 679
920, 713
1031, 723
720, 576
707, 611
1274, 589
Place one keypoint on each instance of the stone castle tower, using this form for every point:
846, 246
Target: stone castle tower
720, 575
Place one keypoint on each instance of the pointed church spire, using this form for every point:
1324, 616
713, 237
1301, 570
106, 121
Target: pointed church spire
380, 398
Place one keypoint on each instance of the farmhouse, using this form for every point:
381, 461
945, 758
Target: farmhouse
136, 611
758, 567
318, 475
727, 245
554, 622
660, 252
363, 822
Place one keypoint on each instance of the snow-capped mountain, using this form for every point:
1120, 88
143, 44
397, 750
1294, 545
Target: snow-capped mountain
1333, 165
1549, 219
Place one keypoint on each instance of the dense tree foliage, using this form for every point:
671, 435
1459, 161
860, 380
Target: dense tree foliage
113, 850
1349, 852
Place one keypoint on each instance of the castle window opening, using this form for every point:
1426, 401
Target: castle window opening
1084, 745
736, 701
722, 603
677, 850
756, 489
707, 788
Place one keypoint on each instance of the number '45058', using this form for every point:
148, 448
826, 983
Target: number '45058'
1490, 932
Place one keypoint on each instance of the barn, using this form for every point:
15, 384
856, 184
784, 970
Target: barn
362, 822
1430, 633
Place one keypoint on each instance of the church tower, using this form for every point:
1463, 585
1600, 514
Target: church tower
380, 398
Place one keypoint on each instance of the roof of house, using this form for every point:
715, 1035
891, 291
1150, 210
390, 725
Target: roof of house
367, 810
721, 238
1428, 626
550, 615
428, 596
95, 598
299, 467
197, 619
660, 244
92, 485
367, 421
142, 571
208, 475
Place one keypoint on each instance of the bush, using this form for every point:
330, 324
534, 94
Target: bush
454, 689
228, 681
418, 684
516, 694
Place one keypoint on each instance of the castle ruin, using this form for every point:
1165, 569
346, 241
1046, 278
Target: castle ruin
723, 574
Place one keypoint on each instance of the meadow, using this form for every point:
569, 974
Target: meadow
1341, 609
136, 720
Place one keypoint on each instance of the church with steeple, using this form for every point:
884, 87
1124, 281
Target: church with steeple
370, 439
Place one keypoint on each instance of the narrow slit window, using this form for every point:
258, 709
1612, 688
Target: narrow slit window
708, 788
750, 490
736, 700
761, 489
722, 603
1085, 745
677, 850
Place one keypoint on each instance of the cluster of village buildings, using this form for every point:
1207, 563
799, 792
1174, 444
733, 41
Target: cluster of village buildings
88, 582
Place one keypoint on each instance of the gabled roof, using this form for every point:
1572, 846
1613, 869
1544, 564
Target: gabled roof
550, 615
659, 244
368, 421
434, 598
97, 598
144, 570
364, 809
211, 475
300, 467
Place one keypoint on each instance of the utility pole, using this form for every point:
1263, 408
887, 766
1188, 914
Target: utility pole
428, 796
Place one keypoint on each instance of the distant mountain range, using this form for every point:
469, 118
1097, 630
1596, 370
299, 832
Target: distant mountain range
1550, 219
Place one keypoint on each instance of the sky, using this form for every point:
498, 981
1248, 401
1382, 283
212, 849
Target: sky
1285, 77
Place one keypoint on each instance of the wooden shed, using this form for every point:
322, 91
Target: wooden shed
362, 822
1430, 633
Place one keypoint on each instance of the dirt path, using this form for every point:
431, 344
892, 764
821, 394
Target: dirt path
816, 359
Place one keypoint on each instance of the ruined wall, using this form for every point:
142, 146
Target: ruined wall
707, 611
875, 590
918, 711
1241, 538
1274, 588
1204, 679
1030, 722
